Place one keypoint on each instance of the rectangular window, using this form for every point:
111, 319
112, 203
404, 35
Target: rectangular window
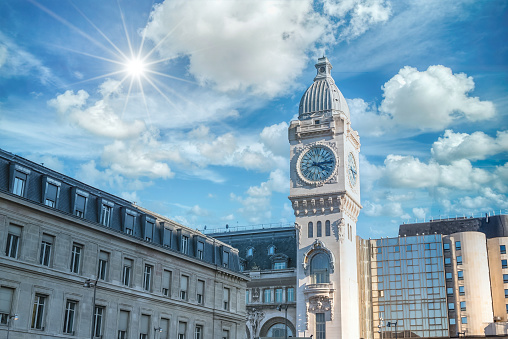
184, 286
70, 316
166, 239
200, 292
98, 317
458, 246
449, 290
102, 272
447, 261
448, 276
127, 272
460, 275
225, 299
247, 296
505, 278
225, 334
506, 308
185, 244
506, 293
76, 258
200, 250
462, 305
19, 183
446, 246
267, 296
106, 214
13, 236
149, 226
198, 332
279, 265
164, 324
123, 324
452, 321
463, 320
459, 260
278, 295
225, 259
182, 330
51, 195
166, 283
451, 306
504, 263
147, 278
144, 326
320, 326
80, 205
461, 290
502, 249
128, 226
38, 312
290, 294
46, 245
5, 304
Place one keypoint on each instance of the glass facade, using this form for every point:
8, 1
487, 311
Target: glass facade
408, 286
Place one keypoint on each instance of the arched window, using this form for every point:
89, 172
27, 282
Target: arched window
271, 250
250, 252
277, 331
311, 230
327, 228
320, 268
318, 229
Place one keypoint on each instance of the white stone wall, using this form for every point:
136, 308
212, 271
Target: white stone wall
28, 277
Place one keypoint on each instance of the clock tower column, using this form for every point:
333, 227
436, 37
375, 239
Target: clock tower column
325, 195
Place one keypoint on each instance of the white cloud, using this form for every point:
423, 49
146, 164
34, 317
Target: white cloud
16, 62
47, 161
366, 119
99, 118
275, 138
259, 46
432, 99
476, 146
256, 205
410, 172
392, 209
419, 213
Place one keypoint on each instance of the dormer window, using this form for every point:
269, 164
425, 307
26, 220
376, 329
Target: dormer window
250, 252
316, 122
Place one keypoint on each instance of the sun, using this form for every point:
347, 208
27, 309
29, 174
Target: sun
136, 67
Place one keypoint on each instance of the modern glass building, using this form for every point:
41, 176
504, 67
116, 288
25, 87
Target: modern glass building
408, 287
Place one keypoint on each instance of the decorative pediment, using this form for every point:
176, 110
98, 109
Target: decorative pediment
317, 247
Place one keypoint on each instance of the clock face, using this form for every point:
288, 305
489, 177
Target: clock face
351, 169
321, 69
317, 164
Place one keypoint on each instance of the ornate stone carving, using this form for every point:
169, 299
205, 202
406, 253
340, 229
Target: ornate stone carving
255, 294
342, 229
320, 304
317, 247
318, 204
254, 318
298, 232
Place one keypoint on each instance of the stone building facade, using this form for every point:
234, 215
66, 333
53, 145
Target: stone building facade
154, 278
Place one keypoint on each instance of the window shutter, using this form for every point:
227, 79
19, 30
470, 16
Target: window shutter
166, 279
124, 321
16, 230
145, 319
6, 299
201, 287
184, 282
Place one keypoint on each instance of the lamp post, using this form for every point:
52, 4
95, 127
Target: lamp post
393, 323
380, 326
285, 318
155, 330
11, 317
90, 283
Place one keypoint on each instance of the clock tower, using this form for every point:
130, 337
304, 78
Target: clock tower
325, 195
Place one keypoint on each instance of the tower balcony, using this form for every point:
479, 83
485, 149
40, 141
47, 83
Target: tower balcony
319, 290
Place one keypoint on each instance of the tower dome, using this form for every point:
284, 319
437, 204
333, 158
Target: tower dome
323, 96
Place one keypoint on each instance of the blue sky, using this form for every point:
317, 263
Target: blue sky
200, 133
